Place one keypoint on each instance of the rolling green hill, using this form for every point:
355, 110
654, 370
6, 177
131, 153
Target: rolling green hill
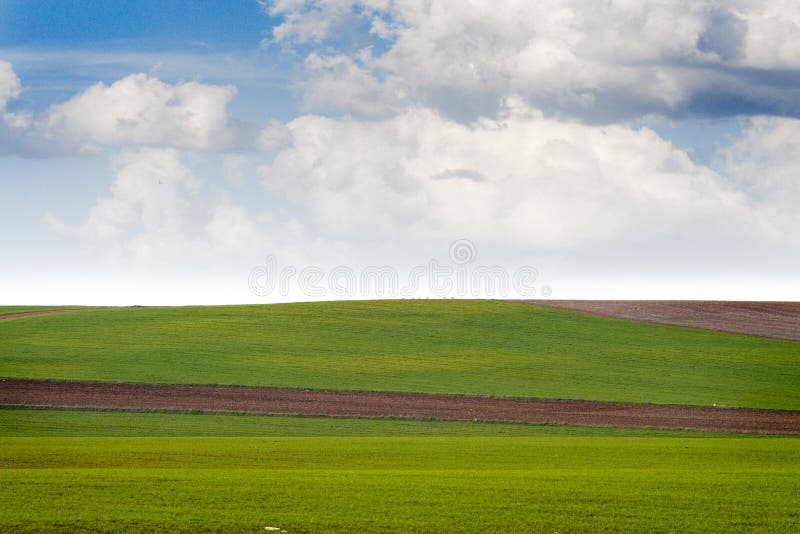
447, 346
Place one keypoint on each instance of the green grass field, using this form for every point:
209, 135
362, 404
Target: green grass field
35, 422
88, 470
382, 475
449, 346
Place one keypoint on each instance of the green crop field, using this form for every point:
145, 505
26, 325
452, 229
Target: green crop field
90, 470
449, 346
35, 422
382, 475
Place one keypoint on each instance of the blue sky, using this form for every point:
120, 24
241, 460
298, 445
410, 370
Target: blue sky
63, 47
159, 152
141, 25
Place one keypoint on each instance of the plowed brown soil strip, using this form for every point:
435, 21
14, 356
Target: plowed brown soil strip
279, 401
36, 312
767, 319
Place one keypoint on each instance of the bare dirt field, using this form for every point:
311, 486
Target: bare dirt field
767, 319
32, 313
279, 401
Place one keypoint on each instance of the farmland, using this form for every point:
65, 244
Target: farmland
274, 401
118, 470
779, 320
467, 347
8, 310
314, 474
35, 422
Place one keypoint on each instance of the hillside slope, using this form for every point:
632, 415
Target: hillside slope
474, 347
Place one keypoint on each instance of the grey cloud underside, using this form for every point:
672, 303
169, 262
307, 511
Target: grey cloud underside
724, 36
725, 92
746, 91
753, 95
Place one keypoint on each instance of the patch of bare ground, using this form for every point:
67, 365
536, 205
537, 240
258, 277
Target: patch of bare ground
779, 320
32, 313
282, 401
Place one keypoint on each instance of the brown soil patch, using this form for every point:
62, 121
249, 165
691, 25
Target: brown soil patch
32, 313
45, 312
280, 401
766, 319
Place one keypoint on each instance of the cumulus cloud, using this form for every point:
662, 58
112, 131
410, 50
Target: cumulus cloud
312, 22
145, 213
765, 162
594, 61
273, 137
136, 110
142, 110
232, 229
9, 84
145, 210
158, 212
433, 120
771, 40
523, 180
339, 83
19, 132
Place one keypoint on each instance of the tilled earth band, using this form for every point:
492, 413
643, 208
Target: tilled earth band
767, 319
281, 401
33, 313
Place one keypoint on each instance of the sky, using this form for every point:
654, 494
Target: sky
218, 152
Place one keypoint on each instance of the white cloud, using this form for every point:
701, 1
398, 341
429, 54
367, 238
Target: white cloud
772, 40
765, 162
274, 136
142, 110
158, 213
18, 132
235, 168
338, 83
462, 120
232, 229
597, 61
312, 22
146, 213
148, 198
523, 180
10, 87
136, 110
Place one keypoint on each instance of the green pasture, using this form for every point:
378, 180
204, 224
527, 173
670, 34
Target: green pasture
400, 484
36, 422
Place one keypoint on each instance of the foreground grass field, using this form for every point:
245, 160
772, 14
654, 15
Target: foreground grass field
383, 475
450, 346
